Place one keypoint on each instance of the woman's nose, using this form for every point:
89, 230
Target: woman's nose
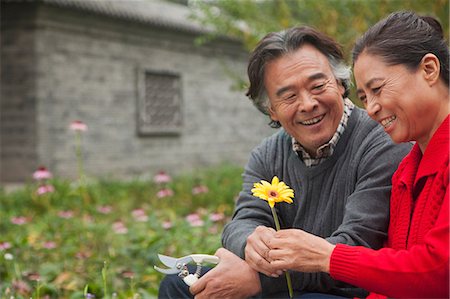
372, 108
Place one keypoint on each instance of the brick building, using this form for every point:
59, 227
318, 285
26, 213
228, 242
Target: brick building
131, 71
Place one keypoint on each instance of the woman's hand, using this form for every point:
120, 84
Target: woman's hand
298, 250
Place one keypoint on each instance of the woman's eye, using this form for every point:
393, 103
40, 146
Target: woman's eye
376, 90
363, 99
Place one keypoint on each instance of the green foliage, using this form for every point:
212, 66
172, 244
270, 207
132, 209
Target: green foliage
345, 20
76, 242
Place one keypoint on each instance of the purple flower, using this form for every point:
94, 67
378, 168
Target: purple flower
66, 214
78, 126
167, 224
119, 228
214, 217
42, 174
162, 177
19, 220
139, 215
200, 189
165, 192
194, 220
49, 245
45, 189
5, 245
104, 209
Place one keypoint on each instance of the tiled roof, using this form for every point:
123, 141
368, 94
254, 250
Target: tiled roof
155, 12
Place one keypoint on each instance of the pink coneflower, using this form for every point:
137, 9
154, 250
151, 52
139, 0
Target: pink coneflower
139, 215
119, 228
165, 192
49, 245
215, 217
19, 220
21, 287
167, 224
42, 173
78, 126
213, 230
162, 177
81, 255
5, 245
127, 274
41, 190
66, 214
200, 189
104, 209
194, 220
34, 276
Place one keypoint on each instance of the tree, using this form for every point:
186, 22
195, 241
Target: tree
345, 20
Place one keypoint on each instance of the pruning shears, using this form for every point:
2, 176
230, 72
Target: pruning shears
179, 265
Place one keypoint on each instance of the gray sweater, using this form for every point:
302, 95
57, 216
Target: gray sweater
345, 199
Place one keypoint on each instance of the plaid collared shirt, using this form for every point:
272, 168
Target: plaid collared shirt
326, 150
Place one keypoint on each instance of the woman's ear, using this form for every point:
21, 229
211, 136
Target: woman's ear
430, 67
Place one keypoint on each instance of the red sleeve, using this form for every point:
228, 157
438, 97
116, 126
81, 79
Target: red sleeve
419, 272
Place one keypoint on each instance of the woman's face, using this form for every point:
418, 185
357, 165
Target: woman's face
398, 98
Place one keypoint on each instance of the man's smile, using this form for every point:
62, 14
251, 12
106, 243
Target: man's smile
313, 120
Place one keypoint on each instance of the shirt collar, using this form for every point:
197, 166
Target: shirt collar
437, 151
327, 149
419, 165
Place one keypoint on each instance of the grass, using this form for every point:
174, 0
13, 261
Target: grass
101, 237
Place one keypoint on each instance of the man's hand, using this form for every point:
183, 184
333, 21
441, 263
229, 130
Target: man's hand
298, 250
231, 278
257, 250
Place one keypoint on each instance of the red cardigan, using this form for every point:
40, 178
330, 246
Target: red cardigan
414, 262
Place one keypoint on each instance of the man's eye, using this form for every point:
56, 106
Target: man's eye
318, 87
289, 97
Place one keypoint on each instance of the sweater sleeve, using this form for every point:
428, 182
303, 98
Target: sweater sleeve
366, 215
419, 272
249, 212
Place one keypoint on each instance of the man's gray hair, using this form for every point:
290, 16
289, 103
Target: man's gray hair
278, 44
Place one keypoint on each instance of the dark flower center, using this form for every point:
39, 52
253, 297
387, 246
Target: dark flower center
273, 193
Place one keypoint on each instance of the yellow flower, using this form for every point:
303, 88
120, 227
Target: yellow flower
272, 193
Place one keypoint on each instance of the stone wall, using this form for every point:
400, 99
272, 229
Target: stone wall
17, 95
64, 65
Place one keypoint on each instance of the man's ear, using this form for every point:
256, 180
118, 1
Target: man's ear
341, 87
430, 67
272, 113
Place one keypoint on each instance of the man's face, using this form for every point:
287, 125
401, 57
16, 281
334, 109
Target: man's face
305, 97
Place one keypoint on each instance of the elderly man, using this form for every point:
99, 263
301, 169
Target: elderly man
336, 159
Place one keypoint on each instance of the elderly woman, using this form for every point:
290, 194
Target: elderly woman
401, 68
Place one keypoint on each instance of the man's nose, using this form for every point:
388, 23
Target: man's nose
308, 104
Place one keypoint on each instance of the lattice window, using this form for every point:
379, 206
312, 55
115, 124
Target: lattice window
160, 104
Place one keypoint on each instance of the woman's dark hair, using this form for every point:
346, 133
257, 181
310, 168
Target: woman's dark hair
404, 38
277, 44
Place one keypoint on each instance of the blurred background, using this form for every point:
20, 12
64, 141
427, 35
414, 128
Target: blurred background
160, 84
124, 129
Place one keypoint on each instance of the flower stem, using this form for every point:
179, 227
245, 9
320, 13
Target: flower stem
79, 156
288, 276
275, 218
